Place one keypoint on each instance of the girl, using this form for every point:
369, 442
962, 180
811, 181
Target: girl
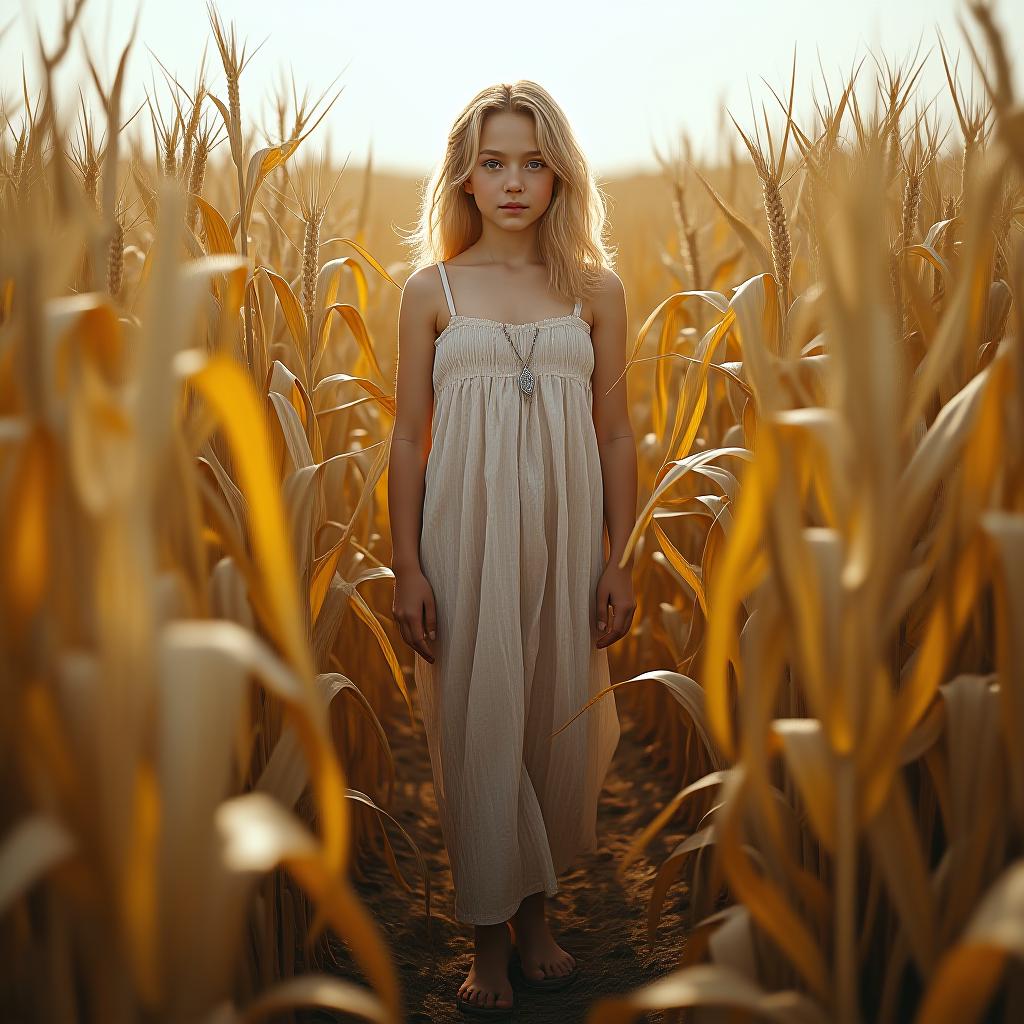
502, 586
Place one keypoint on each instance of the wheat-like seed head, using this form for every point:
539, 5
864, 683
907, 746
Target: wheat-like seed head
190, 133
911, 208
115, 259
778, 232
90, 182
1004, 219
687, 233
198, 174
310, 266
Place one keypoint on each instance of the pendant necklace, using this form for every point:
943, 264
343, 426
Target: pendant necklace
526, 377
527, 380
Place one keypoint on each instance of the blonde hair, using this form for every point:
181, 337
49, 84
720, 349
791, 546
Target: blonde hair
571, 232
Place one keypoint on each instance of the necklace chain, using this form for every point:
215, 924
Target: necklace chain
527, 380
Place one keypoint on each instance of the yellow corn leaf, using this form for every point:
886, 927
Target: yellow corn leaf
669, 475
767, 903
228, 390
708, 985
373, 389
139, 886
259, 834
261, 164
739, 572
26, 539
812, 766
368, 256
682, 566
294, 317
639, 842
1005, 535
29, 851
364, 612
965, 979
218, 237
356, 324
324, 990
668, 872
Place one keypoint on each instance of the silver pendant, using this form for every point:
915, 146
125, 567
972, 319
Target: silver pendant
526, 381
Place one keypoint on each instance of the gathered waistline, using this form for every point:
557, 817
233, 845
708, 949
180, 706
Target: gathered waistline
454, 378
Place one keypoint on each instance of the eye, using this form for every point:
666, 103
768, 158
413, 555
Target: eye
494, 160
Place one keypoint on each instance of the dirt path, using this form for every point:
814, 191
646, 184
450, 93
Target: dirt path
594, 916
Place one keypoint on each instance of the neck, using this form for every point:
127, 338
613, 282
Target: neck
510, 248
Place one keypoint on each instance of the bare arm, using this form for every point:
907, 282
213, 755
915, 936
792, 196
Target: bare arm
611, 416
617, 446
414, 402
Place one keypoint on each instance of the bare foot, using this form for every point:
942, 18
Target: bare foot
487, 983
541, 957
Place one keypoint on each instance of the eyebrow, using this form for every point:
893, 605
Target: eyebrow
498, 152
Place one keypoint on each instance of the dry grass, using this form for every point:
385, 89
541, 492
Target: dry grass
199, 672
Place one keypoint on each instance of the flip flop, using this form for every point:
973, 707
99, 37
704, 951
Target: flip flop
553, 984
471, 1009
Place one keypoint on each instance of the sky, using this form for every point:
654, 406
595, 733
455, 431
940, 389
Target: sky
632, 77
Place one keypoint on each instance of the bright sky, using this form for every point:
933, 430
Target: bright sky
629, 75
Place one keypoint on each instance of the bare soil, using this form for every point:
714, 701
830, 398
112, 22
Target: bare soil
597, 918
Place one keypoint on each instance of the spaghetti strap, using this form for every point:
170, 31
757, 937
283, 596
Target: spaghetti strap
578, 308
447, 289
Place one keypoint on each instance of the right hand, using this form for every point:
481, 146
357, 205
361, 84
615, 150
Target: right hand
415, 612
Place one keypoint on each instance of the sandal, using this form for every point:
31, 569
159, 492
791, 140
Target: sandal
553, 984
492, 1012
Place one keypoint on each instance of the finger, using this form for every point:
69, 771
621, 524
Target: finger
423, 644
416, 643
616, 627
403, 629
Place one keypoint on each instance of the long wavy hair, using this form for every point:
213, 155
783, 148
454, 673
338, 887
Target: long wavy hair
571, 232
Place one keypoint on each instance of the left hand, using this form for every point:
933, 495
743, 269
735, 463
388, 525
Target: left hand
615, 588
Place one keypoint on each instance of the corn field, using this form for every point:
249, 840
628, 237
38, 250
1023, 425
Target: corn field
200, 675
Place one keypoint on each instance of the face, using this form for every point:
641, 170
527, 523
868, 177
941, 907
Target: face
510, 169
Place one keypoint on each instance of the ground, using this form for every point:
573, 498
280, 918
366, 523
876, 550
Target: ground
601, 921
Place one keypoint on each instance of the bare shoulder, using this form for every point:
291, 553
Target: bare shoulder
422, 285
609, 298
421, 295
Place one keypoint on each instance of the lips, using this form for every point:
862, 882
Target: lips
512, 206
